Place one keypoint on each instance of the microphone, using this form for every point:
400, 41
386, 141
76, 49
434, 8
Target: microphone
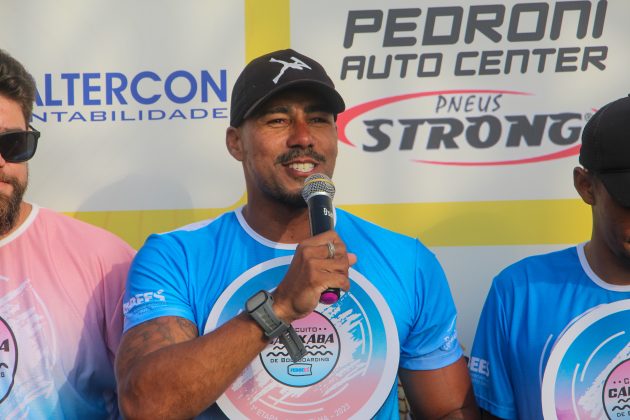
318, 192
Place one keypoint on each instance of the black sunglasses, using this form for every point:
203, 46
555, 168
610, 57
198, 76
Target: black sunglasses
18, 146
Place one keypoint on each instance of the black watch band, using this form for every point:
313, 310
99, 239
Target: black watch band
259, 307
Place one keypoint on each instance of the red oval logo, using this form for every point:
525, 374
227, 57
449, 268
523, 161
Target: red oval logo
519, 127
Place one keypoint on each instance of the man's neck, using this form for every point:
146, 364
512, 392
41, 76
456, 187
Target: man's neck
25, 210
278, 222
608, 267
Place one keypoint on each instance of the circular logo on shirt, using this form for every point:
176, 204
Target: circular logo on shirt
28, 351
351, 361
616, 395
8, 359
321, 341
588, 372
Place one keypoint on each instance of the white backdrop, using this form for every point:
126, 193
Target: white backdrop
132, 123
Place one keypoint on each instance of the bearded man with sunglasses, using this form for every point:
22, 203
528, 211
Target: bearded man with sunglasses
61, 282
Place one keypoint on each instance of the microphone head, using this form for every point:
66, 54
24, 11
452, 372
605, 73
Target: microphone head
318, 184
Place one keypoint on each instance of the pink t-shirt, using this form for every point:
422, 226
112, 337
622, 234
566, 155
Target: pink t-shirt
61, 284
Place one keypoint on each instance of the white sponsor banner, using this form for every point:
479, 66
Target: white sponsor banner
133, 101
464, 101
448, 101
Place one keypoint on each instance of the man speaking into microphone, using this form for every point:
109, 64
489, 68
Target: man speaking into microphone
229, 318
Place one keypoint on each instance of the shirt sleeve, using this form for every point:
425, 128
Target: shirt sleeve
488, 364
120, 257
432, 341
157, 285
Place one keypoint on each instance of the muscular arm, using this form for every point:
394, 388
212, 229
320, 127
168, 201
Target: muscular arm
165, 370
444, 393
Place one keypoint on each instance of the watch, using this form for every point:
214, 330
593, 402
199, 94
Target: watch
259, 307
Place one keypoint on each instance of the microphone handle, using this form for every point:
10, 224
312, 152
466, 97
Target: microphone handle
320, 213
321, 219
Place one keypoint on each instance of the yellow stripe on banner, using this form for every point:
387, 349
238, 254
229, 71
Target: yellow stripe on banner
526, 222
267, 27
519, 222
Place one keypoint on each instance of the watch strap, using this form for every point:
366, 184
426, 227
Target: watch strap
275, 327
293, 343
267, 319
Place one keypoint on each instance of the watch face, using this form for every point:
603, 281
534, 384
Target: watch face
255, 301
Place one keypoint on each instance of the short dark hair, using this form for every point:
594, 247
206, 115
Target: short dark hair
17, 84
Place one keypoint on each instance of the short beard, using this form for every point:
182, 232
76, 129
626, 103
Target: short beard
10, 205
294, 200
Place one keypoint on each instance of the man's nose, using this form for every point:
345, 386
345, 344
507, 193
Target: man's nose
300, 134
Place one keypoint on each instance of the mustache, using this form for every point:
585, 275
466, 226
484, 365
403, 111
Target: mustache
9, 180
297, 153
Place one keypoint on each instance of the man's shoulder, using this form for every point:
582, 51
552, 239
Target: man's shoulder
547, 268
71, 230
207, 226
358, 232
202, 233
366, 227
549, 260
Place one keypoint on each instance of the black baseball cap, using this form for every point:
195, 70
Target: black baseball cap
271, 73
606, 148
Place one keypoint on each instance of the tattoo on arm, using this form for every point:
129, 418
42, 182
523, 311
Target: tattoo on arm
154, 335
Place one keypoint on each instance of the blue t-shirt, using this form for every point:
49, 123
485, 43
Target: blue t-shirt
398, 313
552, 342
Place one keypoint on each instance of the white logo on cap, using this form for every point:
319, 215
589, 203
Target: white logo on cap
297, 64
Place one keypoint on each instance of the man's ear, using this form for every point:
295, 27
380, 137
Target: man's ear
234, 143
584, 183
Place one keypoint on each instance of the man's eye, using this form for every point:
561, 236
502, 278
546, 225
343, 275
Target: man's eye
322, 120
